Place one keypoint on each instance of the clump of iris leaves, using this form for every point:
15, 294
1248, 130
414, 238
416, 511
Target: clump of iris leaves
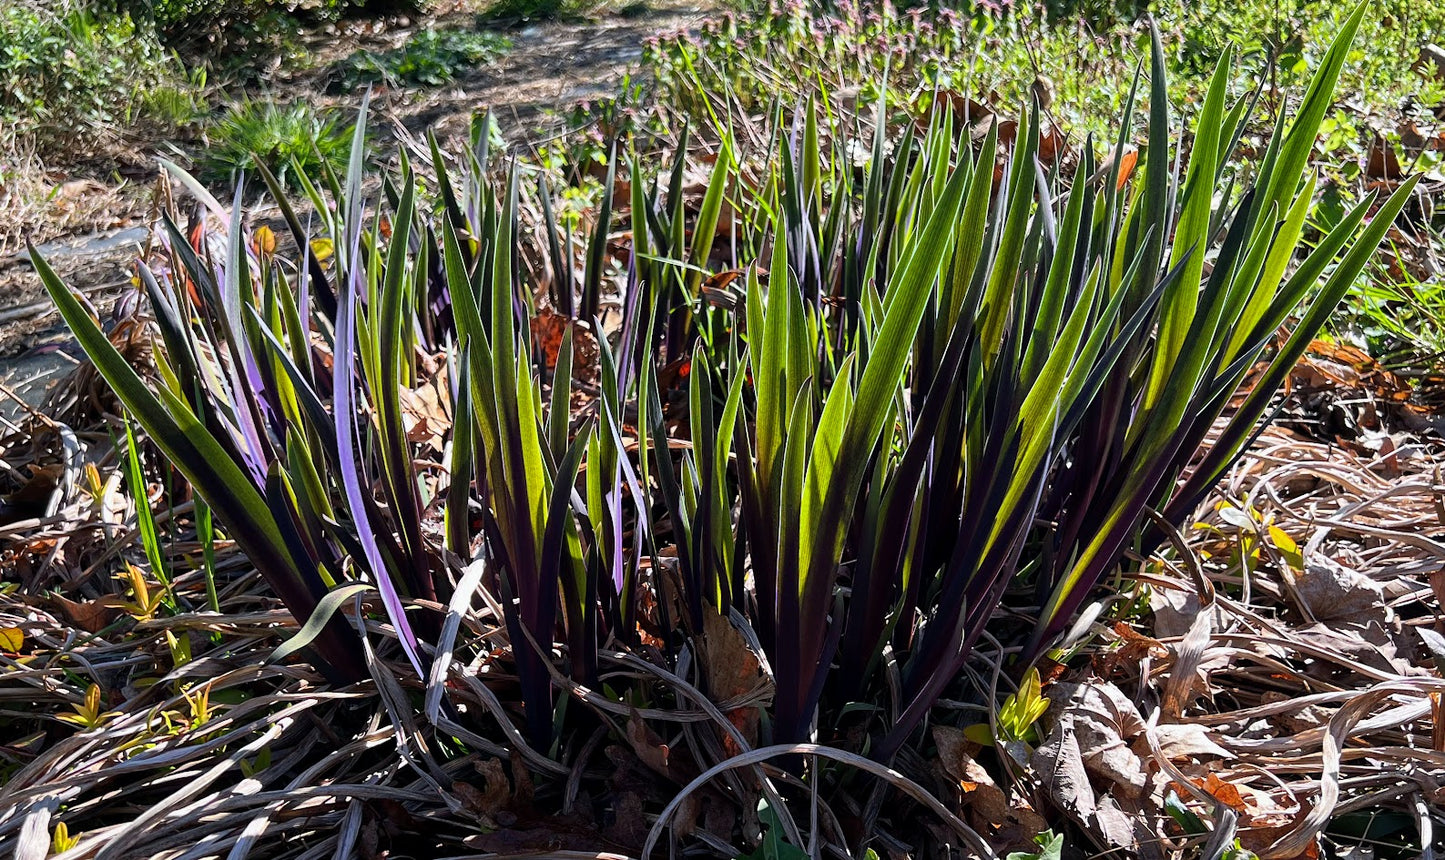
952, 380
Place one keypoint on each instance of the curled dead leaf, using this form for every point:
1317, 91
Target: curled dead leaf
1189, 741
732, 671
647, 744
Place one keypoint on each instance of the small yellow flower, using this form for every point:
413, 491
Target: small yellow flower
265, 241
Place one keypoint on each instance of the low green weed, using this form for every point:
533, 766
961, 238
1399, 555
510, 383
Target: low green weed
176, 104
431, 58
287, 137
515, 11
1050, 845
1078, 57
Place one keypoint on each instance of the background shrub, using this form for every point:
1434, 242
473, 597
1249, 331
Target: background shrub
68, 72
171, 14
238, 26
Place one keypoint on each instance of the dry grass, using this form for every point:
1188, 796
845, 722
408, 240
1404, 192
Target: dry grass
1310, 692
38, 207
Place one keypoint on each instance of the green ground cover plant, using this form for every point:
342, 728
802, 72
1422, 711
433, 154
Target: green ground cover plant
829, 416
296, 137
520, 11
1079, 62
430, 58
